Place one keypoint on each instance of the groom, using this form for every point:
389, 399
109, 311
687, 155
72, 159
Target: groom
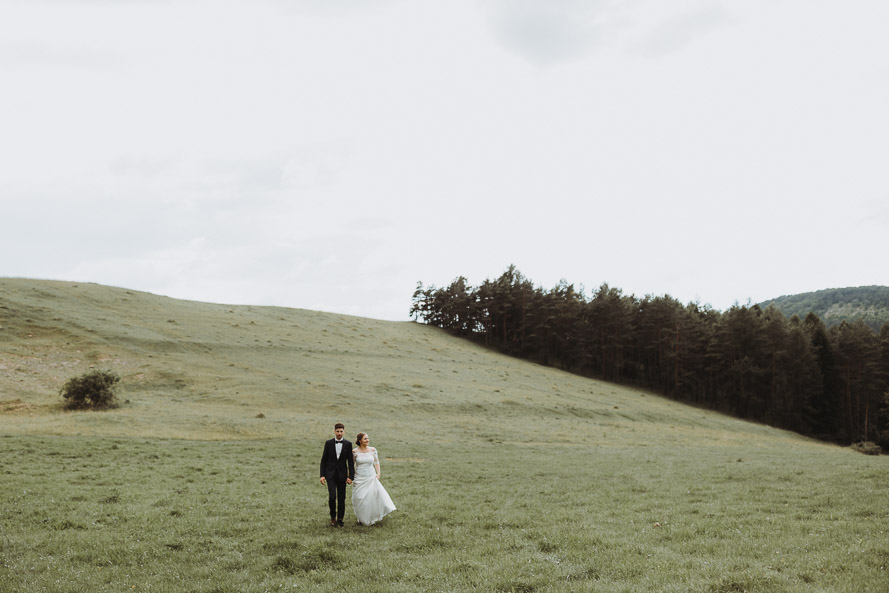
335, 460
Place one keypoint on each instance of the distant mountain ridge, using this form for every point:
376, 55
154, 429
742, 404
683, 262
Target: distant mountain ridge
869, 304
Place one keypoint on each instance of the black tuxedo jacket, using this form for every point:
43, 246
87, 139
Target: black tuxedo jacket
337, 470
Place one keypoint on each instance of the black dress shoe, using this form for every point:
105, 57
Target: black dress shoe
333, 522
339, 523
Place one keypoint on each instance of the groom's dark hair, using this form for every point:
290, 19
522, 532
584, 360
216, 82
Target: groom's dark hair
339, 425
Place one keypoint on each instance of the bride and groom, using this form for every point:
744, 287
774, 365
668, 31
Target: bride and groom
341, 465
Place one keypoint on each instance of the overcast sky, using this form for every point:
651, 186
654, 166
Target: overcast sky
330, 154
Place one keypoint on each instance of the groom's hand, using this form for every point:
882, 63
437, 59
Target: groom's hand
348, 480
323, 481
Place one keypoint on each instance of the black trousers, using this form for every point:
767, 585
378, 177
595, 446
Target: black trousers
337, 492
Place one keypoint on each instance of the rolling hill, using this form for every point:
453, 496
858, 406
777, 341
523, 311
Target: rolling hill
218, 372
869, 304
508, 476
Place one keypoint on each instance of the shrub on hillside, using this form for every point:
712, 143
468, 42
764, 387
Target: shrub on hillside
91, 391
868, 448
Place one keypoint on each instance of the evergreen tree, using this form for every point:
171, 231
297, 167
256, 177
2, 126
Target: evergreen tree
792, 406
857, 350
609, 328
883, 428
737, 352
825, 421
660, 344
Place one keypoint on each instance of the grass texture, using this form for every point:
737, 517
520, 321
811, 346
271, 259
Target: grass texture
508, 476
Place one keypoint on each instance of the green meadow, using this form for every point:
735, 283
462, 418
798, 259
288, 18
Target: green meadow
508, 476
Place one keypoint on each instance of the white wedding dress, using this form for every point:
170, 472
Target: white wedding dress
370, 501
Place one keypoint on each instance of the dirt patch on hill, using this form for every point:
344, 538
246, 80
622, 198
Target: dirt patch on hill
15, 406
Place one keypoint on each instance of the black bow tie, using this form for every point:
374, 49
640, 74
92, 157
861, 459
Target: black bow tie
338, 442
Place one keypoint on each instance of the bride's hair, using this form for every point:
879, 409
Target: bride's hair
360, 436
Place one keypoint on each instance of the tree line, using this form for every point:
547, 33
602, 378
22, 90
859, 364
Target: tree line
748, 361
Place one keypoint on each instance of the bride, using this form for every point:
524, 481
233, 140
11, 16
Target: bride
370, 501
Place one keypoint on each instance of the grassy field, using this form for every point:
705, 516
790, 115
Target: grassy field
508, 476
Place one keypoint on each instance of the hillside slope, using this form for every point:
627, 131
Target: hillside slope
211, 371
869, 304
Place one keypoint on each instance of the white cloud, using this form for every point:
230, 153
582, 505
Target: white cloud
549, 31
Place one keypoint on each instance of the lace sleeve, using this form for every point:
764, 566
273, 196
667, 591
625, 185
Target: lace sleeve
376, 457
